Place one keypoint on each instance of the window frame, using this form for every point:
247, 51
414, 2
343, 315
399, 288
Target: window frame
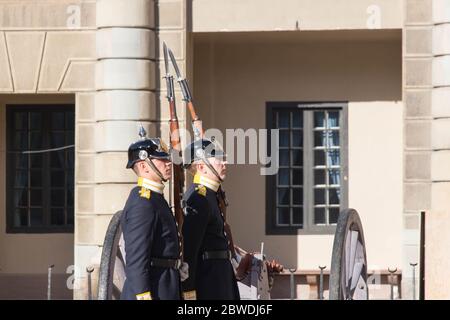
308, 179
10, 228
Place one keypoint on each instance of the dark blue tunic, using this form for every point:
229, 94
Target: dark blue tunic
149, 230
203, 230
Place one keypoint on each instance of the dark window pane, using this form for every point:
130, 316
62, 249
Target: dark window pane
297, 138
57, 178
70, 138
283, 196
70, 159
297, 157
21, 218
36, 160
35, 197
20, 197
36, 178
35, 121
333, 119
36, 217
283, 215
70, 195
57, 217
57, 139
334, 195
69, 180
284, 138
57, 120
20, 141
284, 157
297, 196
21, 120
319, 215
319, 196
21, 179
21, 161
333, 137
297, 177
334, 215
57, 198
283, 177
36, 140
70, 216
319, 176
334, 177
319, 138
319, 158
297, 119
70, 121
319, 119
297, 216
334, 157
283, 119
57, 159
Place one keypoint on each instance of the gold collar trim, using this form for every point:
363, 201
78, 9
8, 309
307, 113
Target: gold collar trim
151, 185
209, 183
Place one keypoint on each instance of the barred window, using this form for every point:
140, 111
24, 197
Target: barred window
40, 164
308, 192
326, 166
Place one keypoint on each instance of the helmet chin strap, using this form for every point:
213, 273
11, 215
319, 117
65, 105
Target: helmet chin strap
214, 171
155, 169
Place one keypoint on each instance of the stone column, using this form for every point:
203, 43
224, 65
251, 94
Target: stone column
173, 29
125, 96
417, 66
437, 255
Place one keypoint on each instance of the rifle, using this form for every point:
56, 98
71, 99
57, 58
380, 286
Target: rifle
175, 143
199, 133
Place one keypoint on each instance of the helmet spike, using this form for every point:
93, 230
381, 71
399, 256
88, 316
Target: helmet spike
142, 132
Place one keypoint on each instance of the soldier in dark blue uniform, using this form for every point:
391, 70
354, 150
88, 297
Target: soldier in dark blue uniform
211, 274
152, 248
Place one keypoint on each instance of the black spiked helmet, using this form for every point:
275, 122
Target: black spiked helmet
152, 148
200, 149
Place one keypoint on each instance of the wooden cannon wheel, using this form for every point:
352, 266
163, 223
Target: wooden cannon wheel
348, 274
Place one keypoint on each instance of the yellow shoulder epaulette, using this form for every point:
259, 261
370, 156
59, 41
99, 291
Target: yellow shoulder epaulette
144, 296
144, 193
190, 295
201, 189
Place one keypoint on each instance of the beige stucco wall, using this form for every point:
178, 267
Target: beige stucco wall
29, 253
235, 75
376, 177
270, 15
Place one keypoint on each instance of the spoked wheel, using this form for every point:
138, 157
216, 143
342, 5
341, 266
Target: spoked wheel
348, 275
112, 264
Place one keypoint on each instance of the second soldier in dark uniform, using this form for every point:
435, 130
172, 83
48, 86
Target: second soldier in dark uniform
211, 274
152, 248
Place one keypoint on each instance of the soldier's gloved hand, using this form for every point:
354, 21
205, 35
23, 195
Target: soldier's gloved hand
244, 267
274, 266
184, 271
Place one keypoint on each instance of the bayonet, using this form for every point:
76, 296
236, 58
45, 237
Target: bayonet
187, 96
169, 78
